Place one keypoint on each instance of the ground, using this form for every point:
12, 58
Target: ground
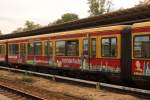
2, 97
87, 93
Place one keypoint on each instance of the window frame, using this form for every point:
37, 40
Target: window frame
56, 48
66, 52
24, 51
90, 48
48, 48
34, 48
33, 53
102, 46
84, 46
10, 50
133, 45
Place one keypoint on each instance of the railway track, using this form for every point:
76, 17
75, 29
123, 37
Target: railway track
134, 91
16, 94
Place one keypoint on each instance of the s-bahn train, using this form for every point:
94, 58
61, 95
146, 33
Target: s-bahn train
118, 53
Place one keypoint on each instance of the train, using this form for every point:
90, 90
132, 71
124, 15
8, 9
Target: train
117, 54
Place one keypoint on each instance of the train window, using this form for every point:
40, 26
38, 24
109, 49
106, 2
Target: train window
142, 46
85, 47
48, 47
38, 48
60, 48
2, 49
109, 47
72, 48
13, 49
30, 49
93, 47
23, 49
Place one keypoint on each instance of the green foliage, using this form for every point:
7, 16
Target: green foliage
66, 18
69, 17
29, 25
98, 7
20, 29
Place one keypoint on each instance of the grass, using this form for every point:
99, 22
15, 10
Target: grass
26, 78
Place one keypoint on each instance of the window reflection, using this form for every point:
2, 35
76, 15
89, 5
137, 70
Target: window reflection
67, 48
48, 47
142, 46
60, 48
109, 47
13, 49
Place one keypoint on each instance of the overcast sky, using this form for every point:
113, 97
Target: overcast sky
14, 13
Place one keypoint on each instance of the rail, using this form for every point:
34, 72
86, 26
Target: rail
97, 84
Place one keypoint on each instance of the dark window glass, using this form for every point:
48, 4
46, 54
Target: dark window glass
38, 48
72, 48
13, 49
22, 49
2, 49
48, 48
85, 47
93, 47
142, 46
60, 48
30, 49
109, 47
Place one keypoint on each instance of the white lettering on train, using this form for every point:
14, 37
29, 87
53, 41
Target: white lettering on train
71, 60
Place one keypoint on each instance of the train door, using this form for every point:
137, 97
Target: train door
2, 52
48, 52
89, 52
23, 52
85, 54
30, 53
110, 60
38, 52
141, 54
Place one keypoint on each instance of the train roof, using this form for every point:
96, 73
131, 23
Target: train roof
143, 24
126, 16
79, 31
97, 29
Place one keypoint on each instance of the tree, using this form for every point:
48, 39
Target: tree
20, 29
98, 7
29, 25
66, 18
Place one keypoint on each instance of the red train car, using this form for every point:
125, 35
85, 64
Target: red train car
3, 51
94, 49
141, 53
116, 53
